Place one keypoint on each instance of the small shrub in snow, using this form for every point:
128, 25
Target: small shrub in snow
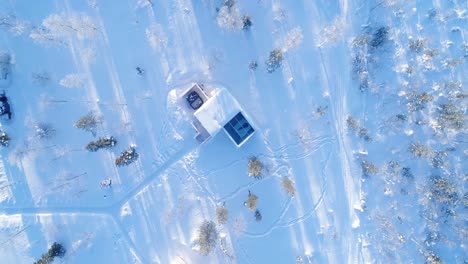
222, 215
56, 250
88, 123
41, 78
251, 203
368, 168
207, 237
352, 123
253, 65
419, 150
72, 81
101, 143
288, 186
274, 60
255, 167
246, 22
5, 65
44, 130
379, 37
406, 173
126, 157
4, 139
258, 215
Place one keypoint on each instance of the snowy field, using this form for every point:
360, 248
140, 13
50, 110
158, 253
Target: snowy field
359, 108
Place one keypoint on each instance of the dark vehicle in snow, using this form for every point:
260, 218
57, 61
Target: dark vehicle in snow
194, 100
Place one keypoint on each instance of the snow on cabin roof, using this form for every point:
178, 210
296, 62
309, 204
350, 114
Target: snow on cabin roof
217, 111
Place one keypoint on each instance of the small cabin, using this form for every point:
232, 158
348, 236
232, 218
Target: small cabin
218, 111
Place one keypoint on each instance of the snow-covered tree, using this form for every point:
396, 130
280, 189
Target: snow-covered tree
229, 16
101, 143
72, 81
293, 38
127, 157
10, 23
274, 60
58, 28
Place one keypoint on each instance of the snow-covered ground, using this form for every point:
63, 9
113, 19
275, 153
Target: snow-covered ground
366, 115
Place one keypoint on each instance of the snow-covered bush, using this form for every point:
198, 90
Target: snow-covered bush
274, 60
56, 250
251, 202
288, 186
9, 22
222, 215
156, 37
293, 38
72, 81
255, 168
88, 122
207, 237
229, 16
58, 28
101, 143
127, 157
4, 139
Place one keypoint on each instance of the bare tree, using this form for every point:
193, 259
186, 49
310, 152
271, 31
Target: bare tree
255, 167
222, 215
251, 202
207, 237
288, 185
88, 122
